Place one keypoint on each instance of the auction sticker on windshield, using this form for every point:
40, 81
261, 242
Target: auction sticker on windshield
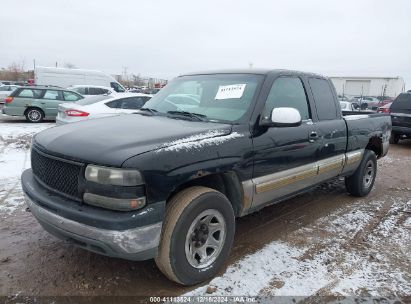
230, 91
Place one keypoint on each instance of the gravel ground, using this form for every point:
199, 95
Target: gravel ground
324, 242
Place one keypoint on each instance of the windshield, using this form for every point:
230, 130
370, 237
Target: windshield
218, 97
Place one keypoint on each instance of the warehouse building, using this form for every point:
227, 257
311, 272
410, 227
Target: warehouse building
369, 86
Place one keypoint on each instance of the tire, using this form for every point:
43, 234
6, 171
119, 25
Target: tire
394, 139
183, 234
34, 115
361, 182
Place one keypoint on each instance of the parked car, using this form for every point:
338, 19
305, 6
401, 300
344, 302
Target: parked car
152, 91
347, 106
168, 182
64, 78
37, 103
401, 117
134, 90
100, 106
385, 108
372, 103
343, 98
91, 90
6, 90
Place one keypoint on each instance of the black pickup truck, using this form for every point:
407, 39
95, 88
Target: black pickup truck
400, 111
168, 181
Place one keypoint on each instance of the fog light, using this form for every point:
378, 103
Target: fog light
120, 204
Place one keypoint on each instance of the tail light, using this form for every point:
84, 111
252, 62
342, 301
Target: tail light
76, 113
8, 99
384, 110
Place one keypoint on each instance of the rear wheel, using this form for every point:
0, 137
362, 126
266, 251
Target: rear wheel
197, 235
362, 181
394, 139
34, 115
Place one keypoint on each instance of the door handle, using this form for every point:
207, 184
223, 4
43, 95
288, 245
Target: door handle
313, 136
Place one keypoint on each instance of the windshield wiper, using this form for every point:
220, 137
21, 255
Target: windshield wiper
197, 116
152, 111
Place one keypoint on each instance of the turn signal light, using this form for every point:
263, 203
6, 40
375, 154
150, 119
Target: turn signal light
8, 99
76, 113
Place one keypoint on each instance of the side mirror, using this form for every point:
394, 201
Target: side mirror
284, 117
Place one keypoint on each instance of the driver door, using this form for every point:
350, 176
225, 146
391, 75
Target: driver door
285, 157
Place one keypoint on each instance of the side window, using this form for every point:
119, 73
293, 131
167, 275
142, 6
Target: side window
324, 99
30, 93
116, 87
54, 95
287, 92
80, 90
113, 104
93, 91
69, 96
132, 103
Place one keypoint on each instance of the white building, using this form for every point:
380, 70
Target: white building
369, 86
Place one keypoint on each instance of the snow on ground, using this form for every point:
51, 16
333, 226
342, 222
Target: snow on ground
15, 139
338, 254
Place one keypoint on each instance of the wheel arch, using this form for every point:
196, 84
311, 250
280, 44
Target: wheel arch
375, 144
33, 107
227, 183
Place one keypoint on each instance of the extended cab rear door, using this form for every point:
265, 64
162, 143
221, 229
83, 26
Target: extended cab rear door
330, 127
284, 157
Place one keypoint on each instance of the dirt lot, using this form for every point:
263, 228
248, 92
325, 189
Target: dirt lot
323, 242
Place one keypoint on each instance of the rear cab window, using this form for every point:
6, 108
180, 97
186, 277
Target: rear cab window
324, 99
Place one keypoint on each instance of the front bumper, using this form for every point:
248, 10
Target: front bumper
134, 243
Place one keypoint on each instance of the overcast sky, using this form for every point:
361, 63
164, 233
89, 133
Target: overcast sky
167, 38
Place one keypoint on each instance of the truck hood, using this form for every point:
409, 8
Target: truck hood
111, 141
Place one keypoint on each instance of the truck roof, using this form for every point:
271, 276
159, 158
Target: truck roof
252, 71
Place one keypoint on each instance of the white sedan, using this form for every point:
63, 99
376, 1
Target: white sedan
6, 90
100, 106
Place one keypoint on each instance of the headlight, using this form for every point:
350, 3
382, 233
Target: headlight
113, 176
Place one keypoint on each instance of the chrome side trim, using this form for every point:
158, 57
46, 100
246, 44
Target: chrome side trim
280, 179
352, 160
273, 186
277, 185
400, 114
330, 167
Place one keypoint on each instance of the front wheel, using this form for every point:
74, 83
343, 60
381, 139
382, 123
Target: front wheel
197, 235
34, 115
361, 182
